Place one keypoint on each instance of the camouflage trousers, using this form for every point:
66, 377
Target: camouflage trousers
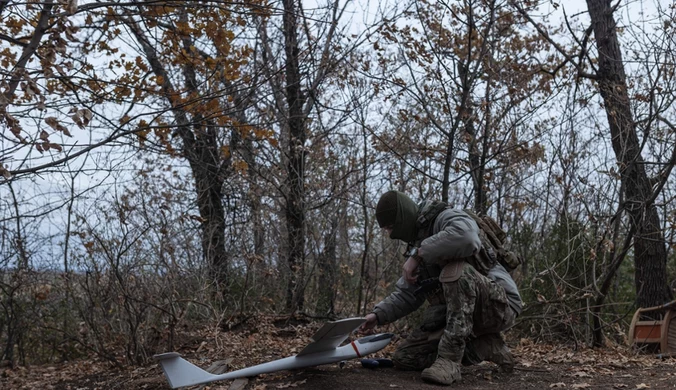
464, 329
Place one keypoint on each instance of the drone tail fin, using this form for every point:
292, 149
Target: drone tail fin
180, 372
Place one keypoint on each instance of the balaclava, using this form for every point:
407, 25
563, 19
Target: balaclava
396, 209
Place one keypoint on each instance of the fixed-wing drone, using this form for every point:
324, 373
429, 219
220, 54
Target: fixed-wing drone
324, 349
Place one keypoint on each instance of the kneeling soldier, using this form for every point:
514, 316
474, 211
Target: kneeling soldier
472, 298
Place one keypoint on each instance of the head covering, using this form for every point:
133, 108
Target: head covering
399, 211
386, 210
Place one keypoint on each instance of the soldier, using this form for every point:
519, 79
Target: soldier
472, 298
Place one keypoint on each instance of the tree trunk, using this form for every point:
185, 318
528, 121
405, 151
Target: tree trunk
327, 270
205, 161
295, 202
201, 149
649, 247
476, 157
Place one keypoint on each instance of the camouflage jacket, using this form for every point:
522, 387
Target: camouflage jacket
453, 235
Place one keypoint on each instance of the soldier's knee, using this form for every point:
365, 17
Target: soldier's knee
418, 352
414, 359
463, 288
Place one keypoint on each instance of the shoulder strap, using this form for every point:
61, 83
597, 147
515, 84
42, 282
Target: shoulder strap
428, 215
493, 231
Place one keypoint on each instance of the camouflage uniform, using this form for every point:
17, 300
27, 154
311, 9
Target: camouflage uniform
465, 317
468, 325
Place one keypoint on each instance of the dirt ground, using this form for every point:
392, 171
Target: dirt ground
578, 371
539, 366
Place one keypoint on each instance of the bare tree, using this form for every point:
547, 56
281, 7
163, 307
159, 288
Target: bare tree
650, 253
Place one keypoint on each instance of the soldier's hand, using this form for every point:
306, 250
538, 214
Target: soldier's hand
371, 322
411, 270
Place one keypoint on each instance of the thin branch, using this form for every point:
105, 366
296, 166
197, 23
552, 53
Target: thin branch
568, 58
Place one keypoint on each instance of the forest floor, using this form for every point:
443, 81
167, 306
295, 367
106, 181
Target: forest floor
539, 366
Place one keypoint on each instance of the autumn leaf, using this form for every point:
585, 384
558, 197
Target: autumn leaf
81, 117
225, 151
142, 137
14, 126
78, 122
642, 386
556, 385
54, 124
239, 384
4, 172
291, 384
240, 166
71, 8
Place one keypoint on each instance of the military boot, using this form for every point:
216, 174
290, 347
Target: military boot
502, 356
489, 347
446, 368
442, 372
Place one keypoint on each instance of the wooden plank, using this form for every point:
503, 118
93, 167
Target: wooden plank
648, 333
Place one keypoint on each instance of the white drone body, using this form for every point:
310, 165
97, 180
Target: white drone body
323, 350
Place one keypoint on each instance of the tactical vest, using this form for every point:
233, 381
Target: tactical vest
492, 237
493, 241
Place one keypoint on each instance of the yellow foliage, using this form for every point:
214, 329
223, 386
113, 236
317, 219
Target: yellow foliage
240, 166
8, 58
15, 25
223, 120
225, 151
143, 132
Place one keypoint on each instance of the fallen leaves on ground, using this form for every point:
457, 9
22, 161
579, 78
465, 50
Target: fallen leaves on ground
244, 342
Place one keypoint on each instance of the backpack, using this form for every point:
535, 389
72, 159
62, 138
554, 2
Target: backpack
492, 245
492, 237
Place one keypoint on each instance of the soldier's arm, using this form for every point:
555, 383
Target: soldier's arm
401, 302
456, 236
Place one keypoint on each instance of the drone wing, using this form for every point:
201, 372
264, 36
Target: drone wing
331, 335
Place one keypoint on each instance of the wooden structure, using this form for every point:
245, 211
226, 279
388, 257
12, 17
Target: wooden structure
661, 332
